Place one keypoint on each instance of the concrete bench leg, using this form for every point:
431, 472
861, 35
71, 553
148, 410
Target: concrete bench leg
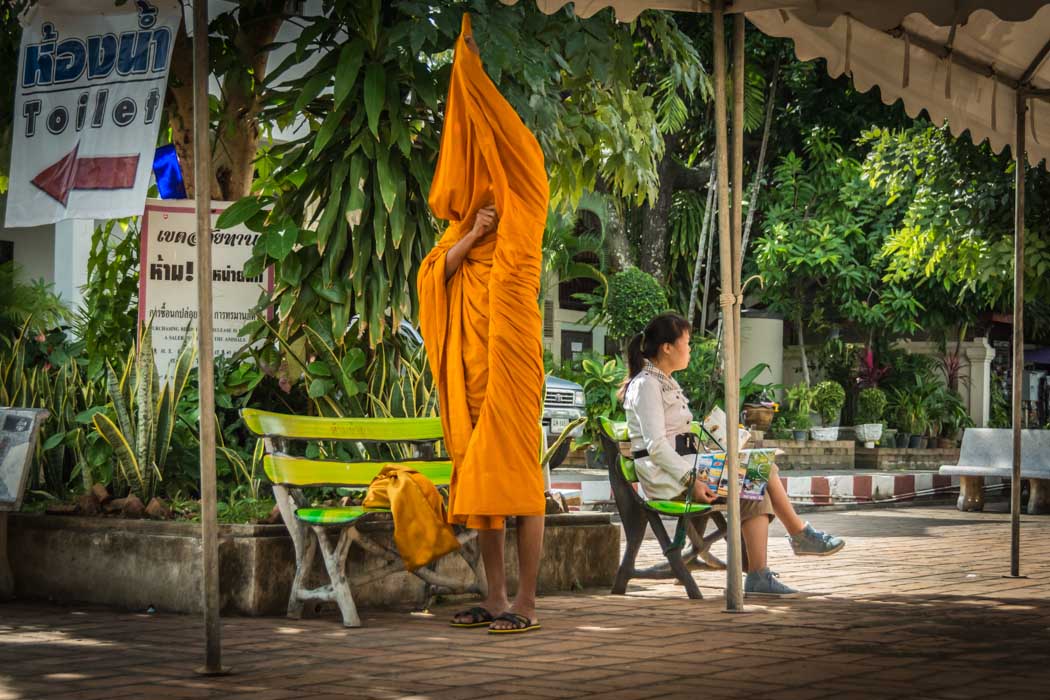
971, 493
1038, 496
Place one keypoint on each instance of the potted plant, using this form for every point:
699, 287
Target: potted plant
870, 406
954, 419
800, 424
828, 398
902, 405
758, 404
915, 425
780, 429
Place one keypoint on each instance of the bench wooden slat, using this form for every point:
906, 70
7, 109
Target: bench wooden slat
268, 424
300, 472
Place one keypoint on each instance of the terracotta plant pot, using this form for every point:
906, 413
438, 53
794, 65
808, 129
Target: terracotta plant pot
758, 417
944, 443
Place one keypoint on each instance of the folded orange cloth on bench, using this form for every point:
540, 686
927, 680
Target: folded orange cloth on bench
420, 531
482, 328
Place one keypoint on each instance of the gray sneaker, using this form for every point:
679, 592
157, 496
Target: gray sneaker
765, 582
815, 543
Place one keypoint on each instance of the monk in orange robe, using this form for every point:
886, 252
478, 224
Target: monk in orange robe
479, 314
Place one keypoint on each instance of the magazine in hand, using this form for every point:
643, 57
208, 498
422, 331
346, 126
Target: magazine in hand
754, 470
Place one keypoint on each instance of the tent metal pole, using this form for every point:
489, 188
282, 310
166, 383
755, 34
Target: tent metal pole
727, 300
738, 171
1018, 335
205, 354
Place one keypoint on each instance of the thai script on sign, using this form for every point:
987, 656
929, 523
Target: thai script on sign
217, 238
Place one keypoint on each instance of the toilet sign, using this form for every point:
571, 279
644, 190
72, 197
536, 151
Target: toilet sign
88, 101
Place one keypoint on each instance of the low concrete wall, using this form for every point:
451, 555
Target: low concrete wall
890, 458
813, 454
135, 564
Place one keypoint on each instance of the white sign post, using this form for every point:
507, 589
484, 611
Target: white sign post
168, 278
88, 102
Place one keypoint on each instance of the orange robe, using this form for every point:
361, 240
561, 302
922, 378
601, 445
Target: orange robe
482, 327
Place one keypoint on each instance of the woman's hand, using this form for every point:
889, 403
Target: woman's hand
702, 493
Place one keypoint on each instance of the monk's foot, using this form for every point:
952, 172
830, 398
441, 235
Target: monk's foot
520, 617
493, 607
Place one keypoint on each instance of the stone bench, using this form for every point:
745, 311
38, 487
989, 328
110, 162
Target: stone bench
989, 452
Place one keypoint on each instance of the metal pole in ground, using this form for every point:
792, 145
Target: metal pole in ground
206, 355
1018, 339
727, 300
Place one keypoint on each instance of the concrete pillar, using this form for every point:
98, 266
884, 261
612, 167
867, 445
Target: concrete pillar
979, 355
72, 248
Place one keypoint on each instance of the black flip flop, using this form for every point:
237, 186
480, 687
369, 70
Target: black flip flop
479, 617
521, 624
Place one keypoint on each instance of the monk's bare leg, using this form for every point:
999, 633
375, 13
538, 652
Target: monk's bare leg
530, 547
491, 543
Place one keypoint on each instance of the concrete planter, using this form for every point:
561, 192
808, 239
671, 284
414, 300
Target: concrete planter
869, 433
826, 434
135, 564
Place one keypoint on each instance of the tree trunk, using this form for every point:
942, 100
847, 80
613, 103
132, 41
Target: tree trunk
237, 141
653, 249
707, 273
752, 201
180, 106
704, 230
616, 243
802, 349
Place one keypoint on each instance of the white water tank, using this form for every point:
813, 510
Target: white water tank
762, 341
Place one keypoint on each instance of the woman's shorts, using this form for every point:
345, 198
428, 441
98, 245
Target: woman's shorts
752, 509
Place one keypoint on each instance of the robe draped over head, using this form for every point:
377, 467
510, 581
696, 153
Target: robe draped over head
482, 328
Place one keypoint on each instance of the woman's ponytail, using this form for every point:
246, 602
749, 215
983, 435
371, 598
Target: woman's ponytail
635, 361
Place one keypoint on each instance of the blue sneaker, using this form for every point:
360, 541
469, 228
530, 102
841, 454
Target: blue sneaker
814, 543
766, 583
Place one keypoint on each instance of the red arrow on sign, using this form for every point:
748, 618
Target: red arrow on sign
89, 173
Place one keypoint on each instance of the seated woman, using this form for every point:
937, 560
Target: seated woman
658, 420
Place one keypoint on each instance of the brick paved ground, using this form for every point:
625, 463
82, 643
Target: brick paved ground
914, 607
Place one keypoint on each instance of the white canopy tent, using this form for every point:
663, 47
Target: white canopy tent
979, 64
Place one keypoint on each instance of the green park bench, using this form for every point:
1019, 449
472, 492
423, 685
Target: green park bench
379, 441
637, 513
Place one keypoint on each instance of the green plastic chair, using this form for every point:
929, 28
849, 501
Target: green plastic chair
637, 513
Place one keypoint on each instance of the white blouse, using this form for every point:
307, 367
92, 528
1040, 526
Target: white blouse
657, 411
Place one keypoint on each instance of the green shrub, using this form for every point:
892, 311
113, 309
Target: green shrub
634, 298
800, 398
829, 398
871, 404
799, 421
701, 381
